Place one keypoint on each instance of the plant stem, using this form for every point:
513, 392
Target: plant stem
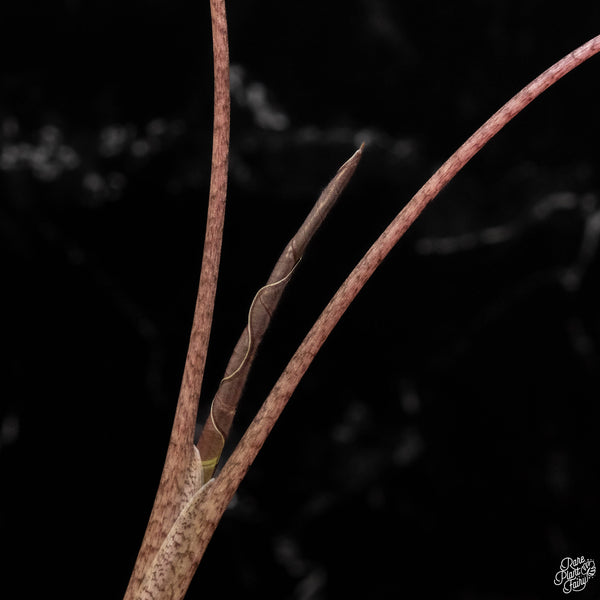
181, 477
221, 492
187, 407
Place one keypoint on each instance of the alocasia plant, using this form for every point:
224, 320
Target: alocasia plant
189, 504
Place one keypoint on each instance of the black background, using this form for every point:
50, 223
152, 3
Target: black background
444, 440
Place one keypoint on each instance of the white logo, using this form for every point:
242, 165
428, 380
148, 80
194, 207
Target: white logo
574, 573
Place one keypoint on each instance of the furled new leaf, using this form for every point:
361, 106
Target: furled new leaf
265, 301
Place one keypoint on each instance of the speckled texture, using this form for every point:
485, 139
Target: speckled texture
444, 441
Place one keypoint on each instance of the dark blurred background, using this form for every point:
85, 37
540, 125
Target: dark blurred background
444, 442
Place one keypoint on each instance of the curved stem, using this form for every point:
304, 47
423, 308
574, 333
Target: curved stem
236, 467
187, 407
181, 477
